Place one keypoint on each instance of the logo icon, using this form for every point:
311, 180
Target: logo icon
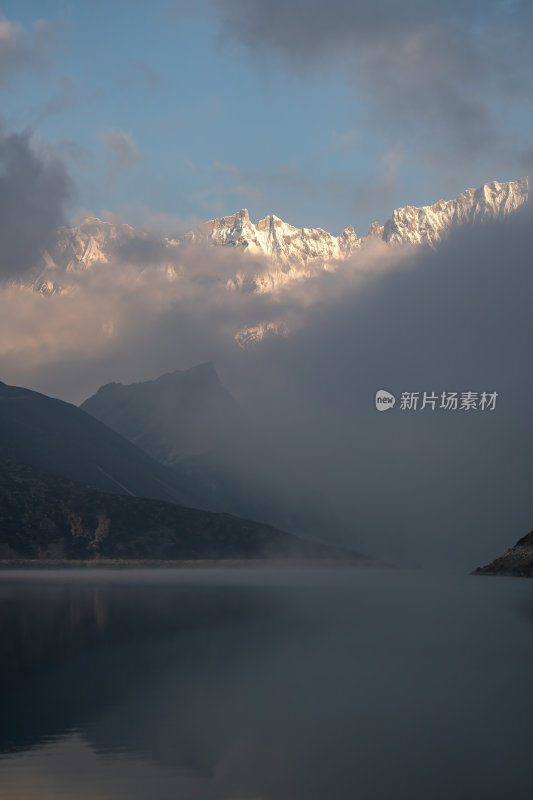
384, 400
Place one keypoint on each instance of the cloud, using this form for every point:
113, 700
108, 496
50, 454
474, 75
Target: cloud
143, 284
64, 98
448, 488
158, 223
420, 486
71, 150
452, 70
34, 188
526, 159
26, 51
120, 149
141, 74
347, 141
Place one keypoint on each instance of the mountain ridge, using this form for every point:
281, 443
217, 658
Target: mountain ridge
58, 437
291, 251
179, 414
72, 488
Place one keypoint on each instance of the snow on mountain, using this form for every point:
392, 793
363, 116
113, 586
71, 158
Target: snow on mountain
291, 253
89, 242
428, 224
93, 241
252, 334
275, 238
298, 247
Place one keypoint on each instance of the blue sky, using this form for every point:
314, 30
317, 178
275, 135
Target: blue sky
165, 116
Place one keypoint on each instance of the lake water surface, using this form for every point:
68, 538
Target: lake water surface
260, 684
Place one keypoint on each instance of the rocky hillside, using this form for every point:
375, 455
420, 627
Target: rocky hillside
516, 562
44, 516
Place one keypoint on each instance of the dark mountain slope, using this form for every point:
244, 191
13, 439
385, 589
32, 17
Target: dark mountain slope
189, 421
180, 414
43, 516
58, 436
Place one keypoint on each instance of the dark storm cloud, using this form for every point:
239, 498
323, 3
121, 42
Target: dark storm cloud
34, 188
26, 50
452, 487
452, 67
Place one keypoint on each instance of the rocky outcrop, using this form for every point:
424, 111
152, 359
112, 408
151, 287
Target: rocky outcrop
516, 562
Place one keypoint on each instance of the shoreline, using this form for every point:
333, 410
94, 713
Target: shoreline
122, 563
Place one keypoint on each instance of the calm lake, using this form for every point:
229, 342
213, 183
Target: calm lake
256, 684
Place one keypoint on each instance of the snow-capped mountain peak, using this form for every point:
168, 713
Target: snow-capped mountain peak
288, 252
287, 244
275, 238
